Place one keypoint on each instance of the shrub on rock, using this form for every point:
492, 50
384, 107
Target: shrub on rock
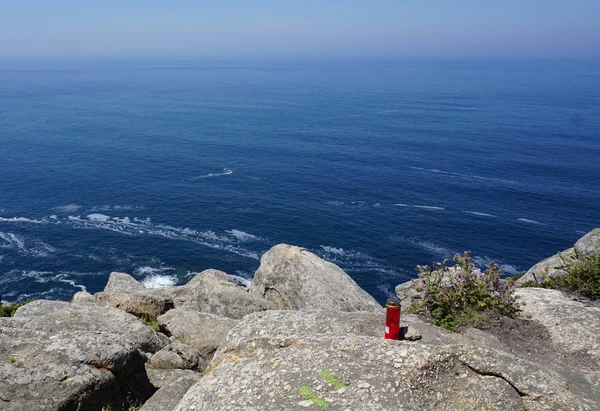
463, 295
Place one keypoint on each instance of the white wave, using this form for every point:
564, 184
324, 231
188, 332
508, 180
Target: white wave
147, 270
69, 208
100, 218
23, 220
144, 227
225, 172
356, 261
476, 213
334, 203
12, 241
427, 246
423, 207
469, 176
159, 281
108, 207
528, 221
35, 248
63, 278
243, 236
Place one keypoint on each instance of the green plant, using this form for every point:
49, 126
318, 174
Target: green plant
12, 359
9, 309
582, 276
151, 321
463, 295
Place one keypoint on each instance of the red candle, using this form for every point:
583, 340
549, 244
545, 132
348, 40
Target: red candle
392, 319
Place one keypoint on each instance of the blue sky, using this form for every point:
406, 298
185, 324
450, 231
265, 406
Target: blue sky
400, 28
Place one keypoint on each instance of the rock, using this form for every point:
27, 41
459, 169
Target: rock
550, 267
278, 360
140, 305
572, 325
177, 355
56, 355
293, 278
410, 334
589, 244
215, 292
122, 283
164, 377
409, 293
124, 292
82, 297
554, 266
203, 331
167, 397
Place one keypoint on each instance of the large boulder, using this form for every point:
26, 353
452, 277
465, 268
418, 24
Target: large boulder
290, 360
555, 265
177, 356
572, 325
60, 356
126, 293
167, 397
216, 292
203, 331
293, 278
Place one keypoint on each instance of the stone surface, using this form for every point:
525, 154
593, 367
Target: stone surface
162, 377
178, 355
409, 293
554, 266
203, 331
275, 360
55, 355
126, 293
167, 397
293, 278
82, 297
573, 326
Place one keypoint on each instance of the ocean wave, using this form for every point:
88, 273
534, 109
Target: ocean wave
356, 261
528, 221
484, 261
69, 208
243, 236
468, 176
159, 281
428, 246
225, 172
34, 248
144, 227
44, 277
23, 220
478, 214
423, 207
117, 207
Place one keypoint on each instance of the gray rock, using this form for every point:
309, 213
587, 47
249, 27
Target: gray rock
82, 297
278, 360
572, 325
138, 304
409, 293
167, 397
295, 279
56, 355
215, 292
125, 293
550, 267
163, 377
122, 283
203, 331
177, 355
555, 265
589, 244
411, 334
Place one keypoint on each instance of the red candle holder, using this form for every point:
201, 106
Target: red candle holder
392, 319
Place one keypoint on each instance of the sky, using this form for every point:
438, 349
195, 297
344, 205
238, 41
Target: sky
288, 28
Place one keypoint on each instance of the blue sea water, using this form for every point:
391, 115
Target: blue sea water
165, 168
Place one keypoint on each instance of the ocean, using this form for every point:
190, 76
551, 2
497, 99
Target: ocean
164, 168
